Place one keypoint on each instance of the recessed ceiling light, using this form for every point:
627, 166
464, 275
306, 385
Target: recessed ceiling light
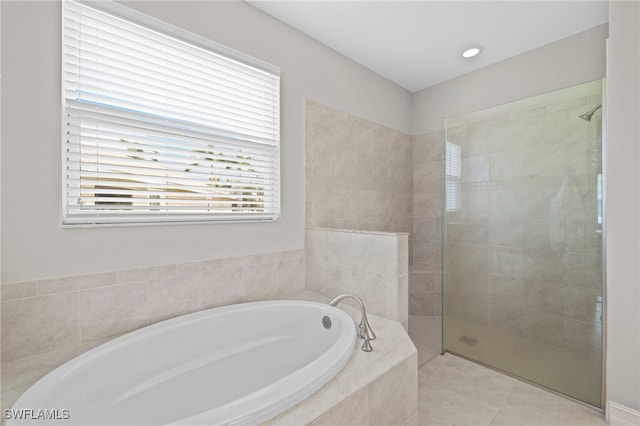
471, 52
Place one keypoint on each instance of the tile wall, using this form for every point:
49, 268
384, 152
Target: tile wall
388, 400
425, 274
358, 173
372, 265
45, 323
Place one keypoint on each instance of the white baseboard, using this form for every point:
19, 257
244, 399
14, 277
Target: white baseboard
620, 415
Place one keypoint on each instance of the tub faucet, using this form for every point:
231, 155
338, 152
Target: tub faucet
366, 332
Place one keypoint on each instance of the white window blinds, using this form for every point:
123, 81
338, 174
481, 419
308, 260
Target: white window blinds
164, 128
453, 172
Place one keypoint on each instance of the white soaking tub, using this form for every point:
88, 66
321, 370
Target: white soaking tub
237, 364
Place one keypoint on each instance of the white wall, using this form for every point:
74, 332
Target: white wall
35, 246
623, 205
567, 62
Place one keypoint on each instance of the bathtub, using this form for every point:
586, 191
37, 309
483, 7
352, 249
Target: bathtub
233, 365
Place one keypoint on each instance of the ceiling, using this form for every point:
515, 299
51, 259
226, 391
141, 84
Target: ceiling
417, 44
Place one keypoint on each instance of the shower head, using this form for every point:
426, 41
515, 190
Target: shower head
589, 114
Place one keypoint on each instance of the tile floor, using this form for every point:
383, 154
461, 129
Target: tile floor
454, 391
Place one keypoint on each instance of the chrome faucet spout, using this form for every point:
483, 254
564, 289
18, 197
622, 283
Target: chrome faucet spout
366, 333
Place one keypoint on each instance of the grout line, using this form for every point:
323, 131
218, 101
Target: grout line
515, 386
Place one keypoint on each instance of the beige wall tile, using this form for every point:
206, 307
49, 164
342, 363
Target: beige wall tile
427, 252
462, 233
427, 147
353, 167
438, 303
467, 282
472, 256
475, 310
353, 411
402, 246
544, 160
224, 287
337, 279
545, 296
545, 327
291, 275
114, 310
314, 273
427, 176
506, 164
477, 204
507, 261
314, 242
507, 203
388, 397
402, 298
584, 304
324, 164
539, 199
170, 297
413, 420
282, 256
507, 136
507, 318
338, 248
476, 168
370, 252
545, 265
424, 282
473, 138
37, 325
198, 266
366, 264
400, 176
241, 261
506, 290
506, 232
379, 295
427, 204
427, 228
584, 270
422, 303
133, 275
260, 282
63, 284
585, 338
18, 290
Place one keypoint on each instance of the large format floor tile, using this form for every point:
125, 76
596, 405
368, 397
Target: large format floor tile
454, 391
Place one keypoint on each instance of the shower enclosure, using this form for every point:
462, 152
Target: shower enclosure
522, 239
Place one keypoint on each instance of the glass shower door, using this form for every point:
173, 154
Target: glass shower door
522, 243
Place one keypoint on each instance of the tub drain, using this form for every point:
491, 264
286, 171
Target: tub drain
326, 322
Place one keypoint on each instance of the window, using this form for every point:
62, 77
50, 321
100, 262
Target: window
599, 200
453, 168
161, 125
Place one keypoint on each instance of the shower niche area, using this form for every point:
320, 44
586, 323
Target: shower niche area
522, 252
